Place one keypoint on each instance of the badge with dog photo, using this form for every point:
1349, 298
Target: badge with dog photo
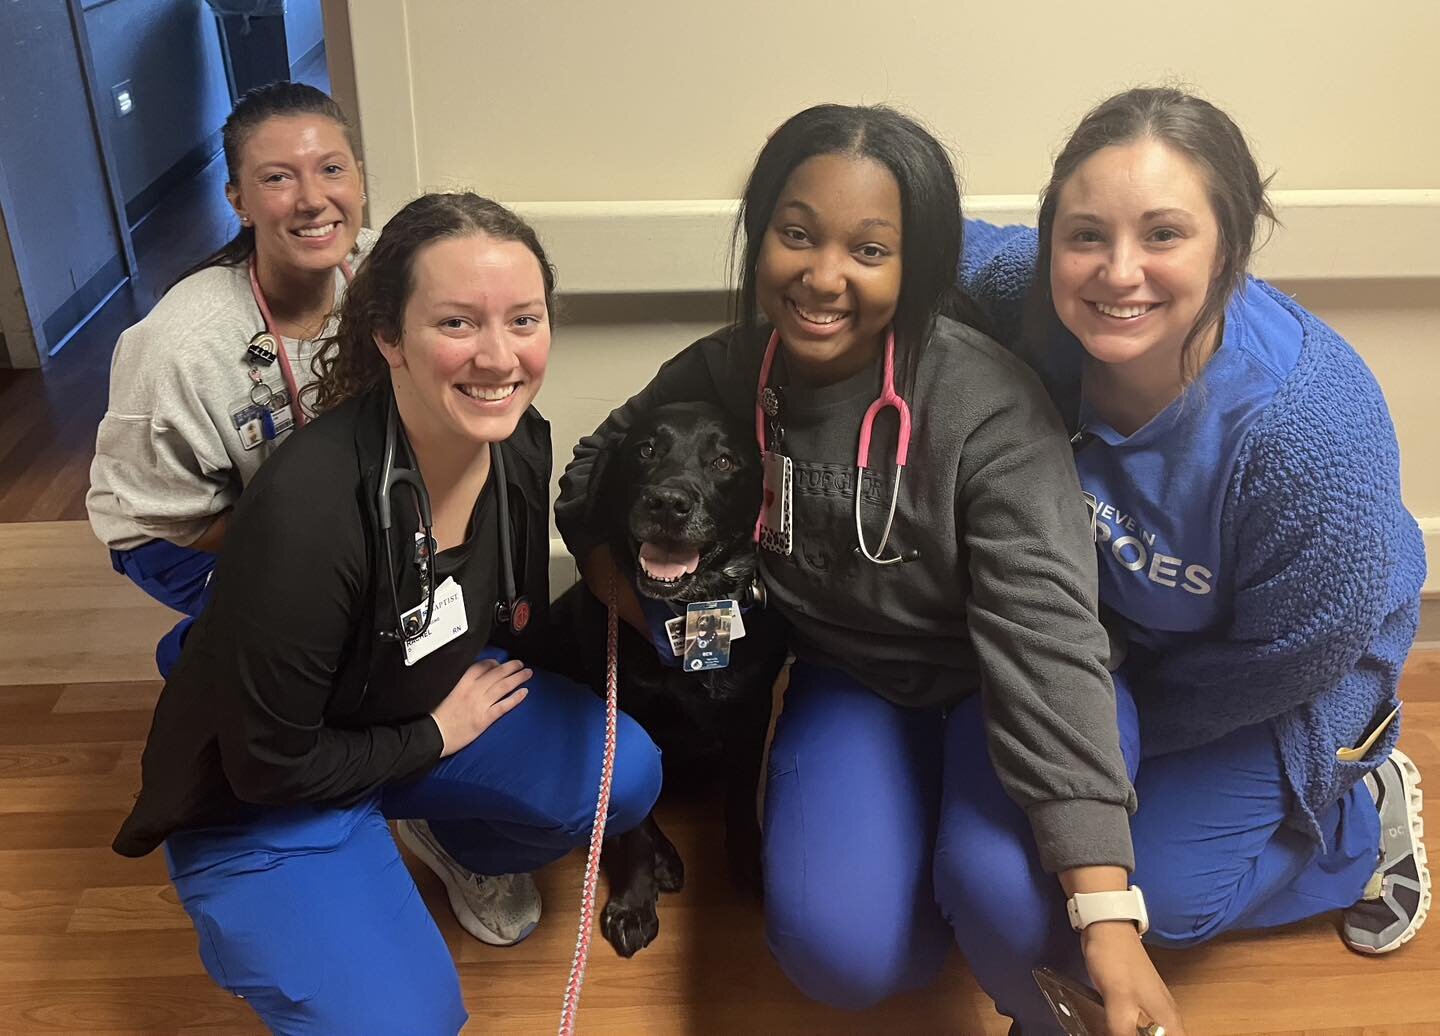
707, 635
675, 628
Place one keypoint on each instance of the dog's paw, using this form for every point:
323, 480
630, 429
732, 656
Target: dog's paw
669, 868
630, 927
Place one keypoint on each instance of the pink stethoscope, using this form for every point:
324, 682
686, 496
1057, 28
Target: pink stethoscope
296, 410
888, 398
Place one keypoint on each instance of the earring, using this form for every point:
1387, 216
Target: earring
244, 221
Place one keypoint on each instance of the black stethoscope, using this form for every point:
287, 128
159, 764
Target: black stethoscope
511, 611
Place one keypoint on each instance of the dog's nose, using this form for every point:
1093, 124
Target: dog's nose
664, 501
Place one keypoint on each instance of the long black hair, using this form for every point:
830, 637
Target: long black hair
254, 108
931, 222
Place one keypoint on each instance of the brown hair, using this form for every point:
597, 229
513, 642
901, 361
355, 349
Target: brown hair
349, 363
276, 100
1209, 138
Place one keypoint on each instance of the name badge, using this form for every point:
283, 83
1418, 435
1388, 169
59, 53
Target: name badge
709, 627
776, 516
449, 621
675, 629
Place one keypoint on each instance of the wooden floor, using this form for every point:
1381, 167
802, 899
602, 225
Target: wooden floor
91, 942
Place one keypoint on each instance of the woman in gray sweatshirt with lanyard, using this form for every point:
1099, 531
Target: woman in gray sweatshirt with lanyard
206, 387
949, 733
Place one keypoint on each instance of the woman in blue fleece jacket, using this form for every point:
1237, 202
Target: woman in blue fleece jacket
1253, 546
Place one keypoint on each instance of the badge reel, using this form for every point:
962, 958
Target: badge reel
777, 532
261, 395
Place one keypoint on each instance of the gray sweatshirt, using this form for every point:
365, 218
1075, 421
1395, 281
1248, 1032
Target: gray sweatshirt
1002, 598
179, 439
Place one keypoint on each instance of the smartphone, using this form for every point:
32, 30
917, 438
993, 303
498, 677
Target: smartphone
1078, 1008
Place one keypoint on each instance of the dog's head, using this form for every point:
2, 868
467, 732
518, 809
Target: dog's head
678, 498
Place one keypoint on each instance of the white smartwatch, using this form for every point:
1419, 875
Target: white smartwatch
1086, 908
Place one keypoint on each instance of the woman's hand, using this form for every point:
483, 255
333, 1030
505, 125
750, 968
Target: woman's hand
486, 692
1126, 980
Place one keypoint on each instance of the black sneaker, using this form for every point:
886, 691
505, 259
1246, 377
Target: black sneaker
1397, 897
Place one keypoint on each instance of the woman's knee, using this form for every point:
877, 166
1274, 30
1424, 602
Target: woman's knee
637, 776
854, 942
1179, 918
850, 967
997, 899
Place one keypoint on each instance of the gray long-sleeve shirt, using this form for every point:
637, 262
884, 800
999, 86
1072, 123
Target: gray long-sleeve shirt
1002, 598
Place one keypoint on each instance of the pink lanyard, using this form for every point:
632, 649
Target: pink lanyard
296, 410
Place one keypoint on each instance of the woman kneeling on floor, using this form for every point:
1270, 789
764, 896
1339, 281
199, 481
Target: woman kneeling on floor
313, 700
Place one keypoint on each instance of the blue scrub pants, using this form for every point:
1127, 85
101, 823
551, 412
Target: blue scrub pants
177, 577
888, 836
309, 913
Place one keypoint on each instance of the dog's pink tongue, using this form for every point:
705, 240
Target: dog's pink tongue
663, 562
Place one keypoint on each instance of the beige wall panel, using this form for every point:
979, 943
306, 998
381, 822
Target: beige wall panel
651, 99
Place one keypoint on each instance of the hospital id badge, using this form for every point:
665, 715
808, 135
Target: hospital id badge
675, 629
707, 635
776, 515
449, 622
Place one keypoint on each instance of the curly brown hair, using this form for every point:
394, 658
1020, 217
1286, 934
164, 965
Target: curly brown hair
349, 363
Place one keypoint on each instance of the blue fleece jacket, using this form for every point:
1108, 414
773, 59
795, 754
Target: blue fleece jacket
1322, 565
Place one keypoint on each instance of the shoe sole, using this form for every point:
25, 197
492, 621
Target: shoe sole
1410, 782
458, 906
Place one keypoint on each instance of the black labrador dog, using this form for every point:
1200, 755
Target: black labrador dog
677, 500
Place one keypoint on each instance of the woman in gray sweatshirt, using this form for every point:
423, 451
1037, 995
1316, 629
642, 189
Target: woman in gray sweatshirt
949, 732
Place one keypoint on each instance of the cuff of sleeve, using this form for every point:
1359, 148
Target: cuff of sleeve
423, 745
1082, 833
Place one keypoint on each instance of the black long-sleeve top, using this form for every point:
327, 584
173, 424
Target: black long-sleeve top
285, 694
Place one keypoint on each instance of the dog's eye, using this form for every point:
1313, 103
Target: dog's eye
724, 462
647, 451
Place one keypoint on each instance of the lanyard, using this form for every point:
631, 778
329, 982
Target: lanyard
296, 410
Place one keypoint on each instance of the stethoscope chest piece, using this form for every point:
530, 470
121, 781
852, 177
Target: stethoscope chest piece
514, 614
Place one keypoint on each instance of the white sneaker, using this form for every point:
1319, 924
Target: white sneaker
1397, 898
499, 910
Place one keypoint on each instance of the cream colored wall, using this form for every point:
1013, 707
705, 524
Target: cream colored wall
623, 130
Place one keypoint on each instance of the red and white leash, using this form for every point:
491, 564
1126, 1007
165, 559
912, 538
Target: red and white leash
597, 830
